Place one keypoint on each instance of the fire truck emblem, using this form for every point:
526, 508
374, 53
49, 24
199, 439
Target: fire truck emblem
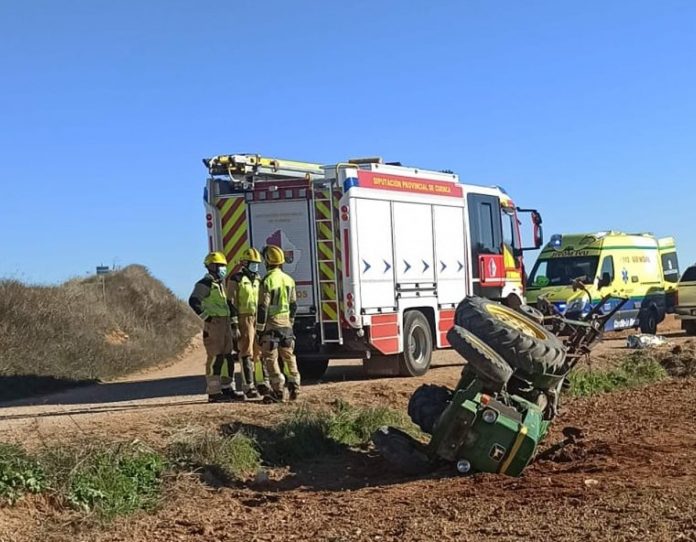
292, 254
492, 268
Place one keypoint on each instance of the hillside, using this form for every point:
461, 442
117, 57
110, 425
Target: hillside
87, 329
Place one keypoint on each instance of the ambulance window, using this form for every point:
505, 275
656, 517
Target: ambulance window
486, 228
670, 267
607, 267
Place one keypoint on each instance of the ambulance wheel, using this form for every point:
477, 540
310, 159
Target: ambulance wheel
648, 322
418, 345
312, 369
427, 404
519, 340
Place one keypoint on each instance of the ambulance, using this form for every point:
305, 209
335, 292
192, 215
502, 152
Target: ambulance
381, 253
638, 266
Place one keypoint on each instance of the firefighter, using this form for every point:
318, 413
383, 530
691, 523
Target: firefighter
274, 321
243, 293
210, 303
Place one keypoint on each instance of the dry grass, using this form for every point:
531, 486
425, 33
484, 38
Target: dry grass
86, 330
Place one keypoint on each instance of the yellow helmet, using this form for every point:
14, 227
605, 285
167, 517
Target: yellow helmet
251, 255
215, 257
273, 255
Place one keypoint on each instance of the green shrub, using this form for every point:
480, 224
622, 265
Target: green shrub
637, 369
110, 480
19, 473
226, 457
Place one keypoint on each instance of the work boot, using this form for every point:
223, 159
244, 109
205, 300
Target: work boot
252, 393
233, 395
276, 396
294, 390
264, 389
218, 398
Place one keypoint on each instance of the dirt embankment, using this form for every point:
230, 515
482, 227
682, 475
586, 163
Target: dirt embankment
87, 329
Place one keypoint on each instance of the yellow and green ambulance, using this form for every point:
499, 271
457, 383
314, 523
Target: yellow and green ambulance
638, 266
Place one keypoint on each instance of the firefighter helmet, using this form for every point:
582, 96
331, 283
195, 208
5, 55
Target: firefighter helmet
273, 255
215, 257
251, 255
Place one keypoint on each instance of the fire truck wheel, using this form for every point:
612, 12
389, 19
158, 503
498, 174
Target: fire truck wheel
312, 369
493, 371
427, 404
418, 345
522, 342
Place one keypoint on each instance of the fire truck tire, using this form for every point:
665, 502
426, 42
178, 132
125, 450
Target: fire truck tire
427, 404
493, 371
312, 369
518, 339
418, 345
402, 451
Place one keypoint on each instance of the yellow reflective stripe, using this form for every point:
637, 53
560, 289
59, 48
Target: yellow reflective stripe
515, 448
329, 292
327, 272
323, 209
328, 310
324, 231
326, 250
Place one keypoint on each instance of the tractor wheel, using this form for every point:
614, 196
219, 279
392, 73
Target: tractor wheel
312, 369
402, 451
488, 365
427, 404
522, 342
648, 322
418, 345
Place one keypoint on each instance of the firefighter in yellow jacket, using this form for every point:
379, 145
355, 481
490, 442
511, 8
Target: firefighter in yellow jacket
243, 293
210, 303
274, 321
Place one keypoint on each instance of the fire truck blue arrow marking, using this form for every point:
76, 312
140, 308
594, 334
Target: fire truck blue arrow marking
444, 266
387, 266
367, 266
408, 266
426, 266
461, 266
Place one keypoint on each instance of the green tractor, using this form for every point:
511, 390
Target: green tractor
517, 363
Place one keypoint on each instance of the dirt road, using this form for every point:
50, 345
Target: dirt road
632, 476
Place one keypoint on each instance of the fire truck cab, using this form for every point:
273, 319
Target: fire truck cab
381, 253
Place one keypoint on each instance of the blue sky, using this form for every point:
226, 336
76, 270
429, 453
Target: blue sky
585, 110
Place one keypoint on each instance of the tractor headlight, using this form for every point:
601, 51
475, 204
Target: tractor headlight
489, 415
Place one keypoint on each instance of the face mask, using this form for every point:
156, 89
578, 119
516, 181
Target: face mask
222, 271
253, 267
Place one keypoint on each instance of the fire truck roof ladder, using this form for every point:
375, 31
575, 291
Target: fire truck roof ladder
327, 261
248, 168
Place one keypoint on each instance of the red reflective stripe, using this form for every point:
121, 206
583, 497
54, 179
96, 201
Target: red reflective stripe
389, 318
346, 252
446, 320
443, 340
387, 345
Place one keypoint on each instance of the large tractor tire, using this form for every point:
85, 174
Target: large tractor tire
519, 340
689, 326
402, 451
427, 405
493, 371
312, 369
418, 345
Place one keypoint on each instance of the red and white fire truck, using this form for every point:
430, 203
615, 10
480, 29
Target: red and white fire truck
381, 253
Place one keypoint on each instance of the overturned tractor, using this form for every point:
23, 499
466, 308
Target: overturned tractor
517, 364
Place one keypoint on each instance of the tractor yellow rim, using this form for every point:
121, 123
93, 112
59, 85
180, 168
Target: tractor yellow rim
516, 320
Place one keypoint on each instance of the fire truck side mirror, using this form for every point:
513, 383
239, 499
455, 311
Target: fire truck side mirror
538, 235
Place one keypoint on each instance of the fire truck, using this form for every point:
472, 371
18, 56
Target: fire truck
381, 253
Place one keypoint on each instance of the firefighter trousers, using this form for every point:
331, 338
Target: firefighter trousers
279, 343
250, 352
217, 340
